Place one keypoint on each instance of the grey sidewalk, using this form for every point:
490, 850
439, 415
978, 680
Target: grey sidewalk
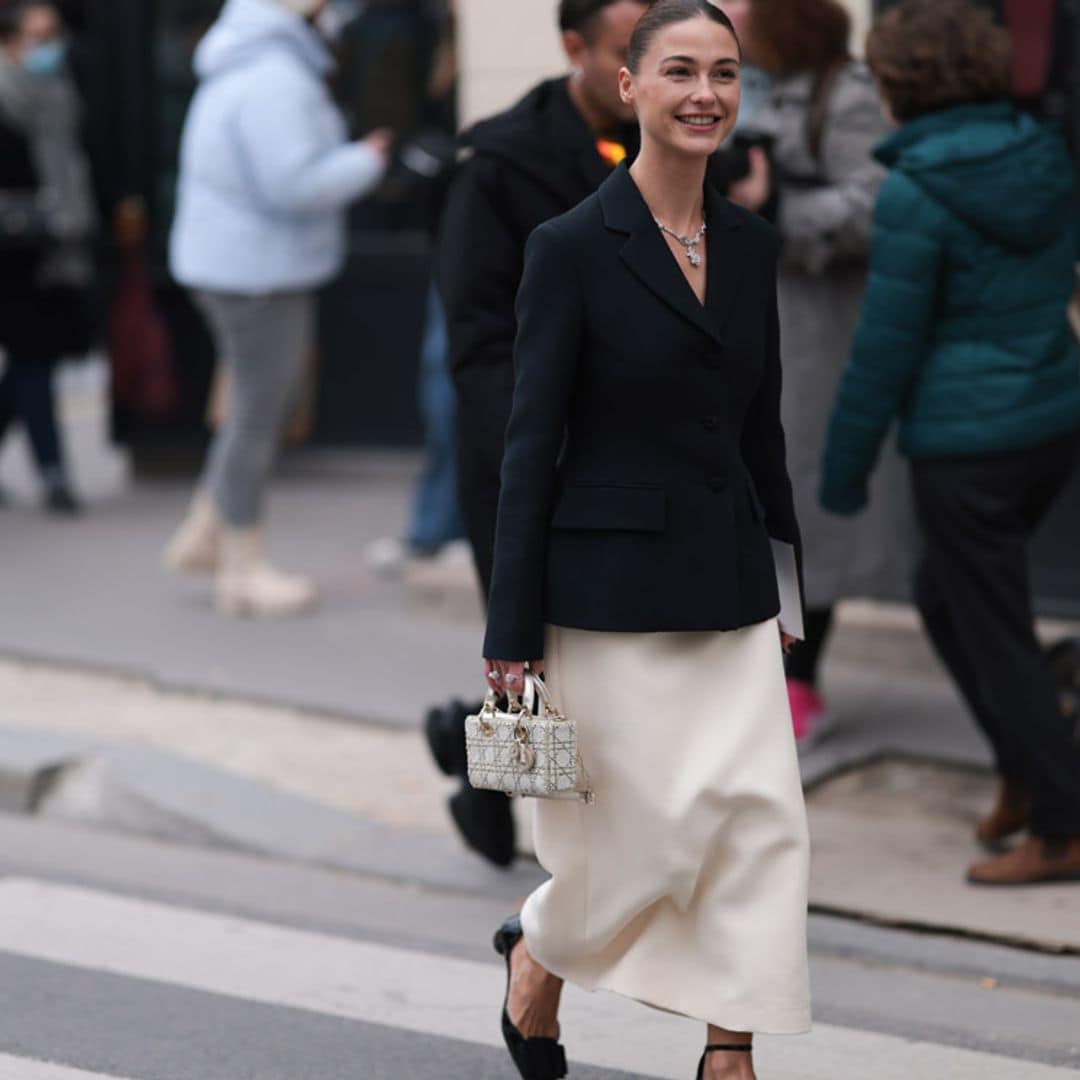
89, 592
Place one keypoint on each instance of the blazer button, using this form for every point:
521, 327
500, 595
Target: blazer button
717, 483
710, 423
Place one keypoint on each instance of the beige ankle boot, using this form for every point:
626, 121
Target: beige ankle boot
248, 585
195, 547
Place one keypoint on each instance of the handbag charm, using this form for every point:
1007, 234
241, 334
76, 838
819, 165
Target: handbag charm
522, 752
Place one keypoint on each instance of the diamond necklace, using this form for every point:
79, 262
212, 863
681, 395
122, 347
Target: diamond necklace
690, 243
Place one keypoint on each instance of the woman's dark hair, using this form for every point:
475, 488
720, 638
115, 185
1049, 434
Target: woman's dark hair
580, 15
930, 54
810, 35
11, 15
663, 13
13, 11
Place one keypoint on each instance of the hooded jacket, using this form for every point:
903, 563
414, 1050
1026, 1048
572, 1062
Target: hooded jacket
525, 166
963, 332
265, 169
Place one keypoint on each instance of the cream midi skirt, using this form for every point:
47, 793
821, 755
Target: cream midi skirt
684, 886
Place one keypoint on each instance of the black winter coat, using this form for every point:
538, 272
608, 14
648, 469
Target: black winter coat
17, 264
645, 464
38, 325
527, 165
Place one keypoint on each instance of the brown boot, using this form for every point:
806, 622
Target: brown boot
1033, 861
1011, 814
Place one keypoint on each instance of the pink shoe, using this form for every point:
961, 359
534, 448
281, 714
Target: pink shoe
807, 710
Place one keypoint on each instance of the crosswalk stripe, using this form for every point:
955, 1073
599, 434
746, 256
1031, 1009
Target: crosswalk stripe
16, 1068
422, 992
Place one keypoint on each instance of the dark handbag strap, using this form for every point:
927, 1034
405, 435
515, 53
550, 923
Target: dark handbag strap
818, 113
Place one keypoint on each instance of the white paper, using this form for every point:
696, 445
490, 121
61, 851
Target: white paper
787, 582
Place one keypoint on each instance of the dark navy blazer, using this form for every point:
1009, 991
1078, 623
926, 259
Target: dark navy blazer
645, 467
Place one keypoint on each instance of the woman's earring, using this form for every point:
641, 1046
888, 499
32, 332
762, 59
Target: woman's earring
577, 72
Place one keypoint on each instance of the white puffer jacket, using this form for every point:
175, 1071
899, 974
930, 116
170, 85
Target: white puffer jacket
265, 169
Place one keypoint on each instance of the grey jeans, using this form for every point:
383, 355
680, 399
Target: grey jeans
261, 343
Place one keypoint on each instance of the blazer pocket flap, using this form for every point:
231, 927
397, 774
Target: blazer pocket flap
634, 509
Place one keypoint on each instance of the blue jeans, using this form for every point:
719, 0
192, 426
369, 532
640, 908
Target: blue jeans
436, 515
26, 394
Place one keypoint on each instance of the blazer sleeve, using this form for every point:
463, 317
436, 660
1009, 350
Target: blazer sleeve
890, 342
764, 448
546, 351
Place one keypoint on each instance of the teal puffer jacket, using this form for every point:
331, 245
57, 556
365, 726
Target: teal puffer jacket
963, 333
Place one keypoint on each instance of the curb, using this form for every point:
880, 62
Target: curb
149, 792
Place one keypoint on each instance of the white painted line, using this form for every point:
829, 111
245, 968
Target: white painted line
424, 992
16, 1068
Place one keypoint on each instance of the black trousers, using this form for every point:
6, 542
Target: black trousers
977, 516
804, 661
484, 396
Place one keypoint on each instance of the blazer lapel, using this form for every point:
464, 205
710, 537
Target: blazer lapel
647, 256
725, 257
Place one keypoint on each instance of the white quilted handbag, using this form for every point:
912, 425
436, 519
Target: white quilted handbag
522, 752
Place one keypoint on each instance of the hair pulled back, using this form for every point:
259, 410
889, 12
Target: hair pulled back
11, 17
664, 13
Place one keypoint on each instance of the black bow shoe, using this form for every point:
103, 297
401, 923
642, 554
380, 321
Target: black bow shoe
537, 1058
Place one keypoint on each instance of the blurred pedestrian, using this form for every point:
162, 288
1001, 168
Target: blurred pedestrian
45, 277
822, 119
536, 160
741, 153
436, 527
266, 174
756, 82
964, 338
644, 475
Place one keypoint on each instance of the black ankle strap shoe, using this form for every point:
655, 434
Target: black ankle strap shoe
536, 1058
742, 1048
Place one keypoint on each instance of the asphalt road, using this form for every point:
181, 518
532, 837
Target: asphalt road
124, 957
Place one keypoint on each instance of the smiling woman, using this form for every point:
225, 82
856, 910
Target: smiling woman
682, 79
719, 69
633, 565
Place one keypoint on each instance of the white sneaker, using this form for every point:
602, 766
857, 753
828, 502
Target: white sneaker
388, 556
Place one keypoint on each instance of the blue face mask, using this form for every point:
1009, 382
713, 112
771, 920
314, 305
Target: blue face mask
45, 59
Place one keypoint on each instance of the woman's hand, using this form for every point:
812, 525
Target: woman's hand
753, 190
129, 224
508, 676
